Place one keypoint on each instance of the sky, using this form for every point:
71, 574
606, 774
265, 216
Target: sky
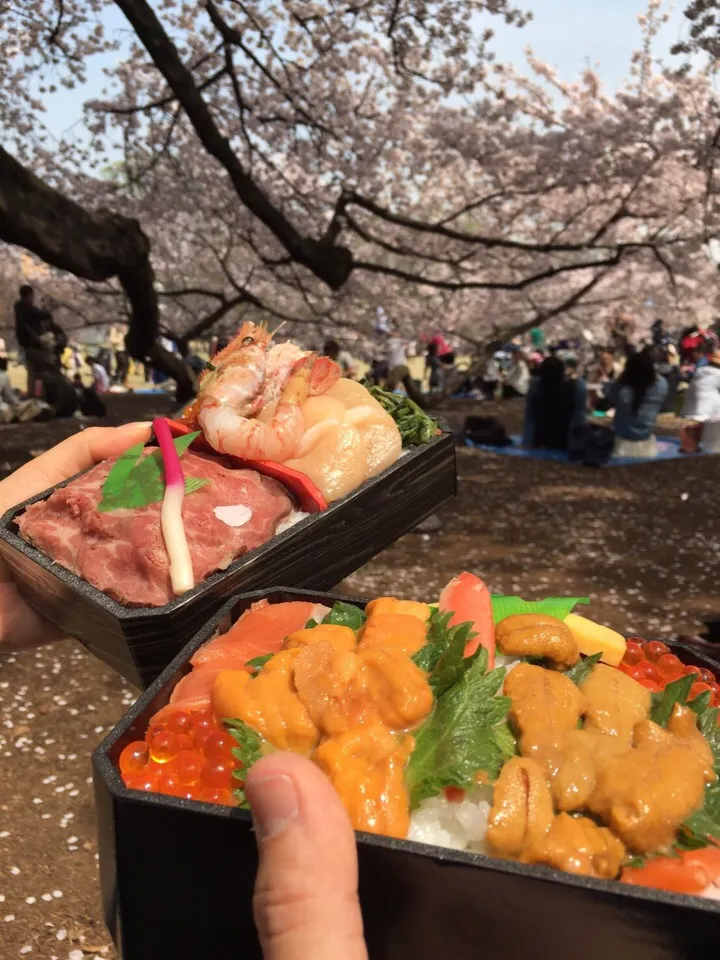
568, 34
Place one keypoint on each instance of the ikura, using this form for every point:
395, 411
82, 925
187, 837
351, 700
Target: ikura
189, 757
654, 666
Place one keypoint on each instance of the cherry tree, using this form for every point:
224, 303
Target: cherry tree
313, 161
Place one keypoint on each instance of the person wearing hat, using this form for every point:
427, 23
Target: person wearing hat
702, 408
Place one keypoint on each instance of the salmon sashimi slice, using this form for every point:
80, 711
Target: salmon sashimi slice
260, 630
193, 692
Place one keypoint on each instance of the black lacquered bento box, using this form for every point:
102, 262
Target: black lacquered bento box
177, 876
316, 553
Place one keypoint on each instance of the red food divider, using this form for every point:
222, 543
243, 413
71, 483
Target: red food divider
309, 498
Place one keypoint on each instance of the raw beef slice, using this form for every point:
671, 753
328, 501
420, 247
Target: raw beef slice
122, 553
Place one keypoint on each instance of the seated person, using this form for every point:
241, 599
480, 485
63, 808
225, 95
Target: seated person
517, 379
555, 407
637, 396
702, 407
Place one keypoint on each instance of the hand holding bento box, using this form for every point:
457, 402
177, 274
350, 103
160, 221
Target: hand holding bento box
19, 625
306, 896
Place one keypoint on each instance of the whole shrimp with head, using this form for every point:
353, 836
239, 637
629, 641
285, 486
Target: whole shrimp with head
249, 403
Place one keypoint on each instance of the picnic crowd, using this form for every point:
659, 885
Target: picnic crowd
562, 384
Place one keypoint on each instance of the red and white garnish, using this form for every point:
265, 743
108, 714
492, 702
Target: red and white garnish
181, 570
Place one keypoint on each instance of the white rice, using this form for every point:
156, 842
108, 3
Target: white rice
458, 826
290, 520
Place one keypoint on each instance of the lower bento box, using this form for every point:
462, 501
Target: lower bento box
177, 875
316, 553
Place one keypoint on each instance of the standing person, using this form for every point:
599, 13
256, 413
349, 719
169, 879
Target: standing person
637, 396
517, 380
41, 339
556, 406
702, 408
101, 378
432, 365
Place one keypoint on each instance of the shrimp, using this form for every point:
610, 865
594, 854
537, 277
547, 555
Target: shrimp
228, 424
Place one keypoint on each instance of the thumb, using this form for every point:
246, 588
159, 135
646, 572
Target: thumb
72, 456
306, 900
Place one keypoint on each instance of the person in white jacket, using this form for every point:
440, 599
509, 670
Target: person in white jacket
702, 408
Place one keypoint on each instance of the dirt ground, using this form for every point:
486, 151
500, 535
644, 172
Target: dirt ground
643, 542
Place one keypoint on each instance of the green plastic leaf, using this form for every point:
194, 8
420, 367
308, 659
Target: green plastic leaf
663, 703
558, 607
247, 752
582, 669
121, 470
346, 615
138, 481
257, 663
462, 736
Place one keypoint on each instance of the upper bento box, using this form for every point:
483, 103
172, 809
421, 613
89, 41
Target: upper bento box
177, 875
317, 552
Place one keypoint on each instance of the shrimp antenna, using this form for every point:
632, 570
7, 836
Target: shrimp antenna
279, 327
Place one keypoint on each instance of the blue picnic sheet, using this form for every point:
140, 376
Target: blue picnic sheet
668, 449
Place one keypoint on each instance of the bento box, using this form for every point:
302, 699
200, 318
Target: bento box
317, 552
177, 876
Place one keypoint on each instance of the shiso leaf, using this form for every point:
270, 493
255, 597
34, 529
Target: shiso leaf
136, 481
663, 703
558, 607
247, 752
463, 736
443, 655
345, 615
582, 669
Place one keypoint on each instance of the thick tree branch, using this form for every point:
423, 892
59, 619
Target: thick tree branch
332, 264
96, 246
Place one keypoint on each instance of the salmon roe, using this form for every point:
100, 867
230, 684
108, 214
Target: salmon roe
654, 665
190, 756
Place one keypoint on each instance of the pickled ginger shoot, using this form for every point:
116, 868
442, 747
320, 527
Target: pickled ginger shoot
171, 520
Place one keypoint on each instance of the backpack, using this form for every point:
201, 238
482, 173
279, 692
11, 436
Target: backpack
592, 445
486, 431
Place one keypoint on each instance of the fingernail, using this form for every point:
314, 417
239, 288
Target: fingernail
273, 803
140, 423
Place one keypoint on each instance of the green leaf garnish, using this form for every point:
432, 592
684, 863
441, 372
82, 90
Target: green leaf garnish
257, 663
703, 827
663, 703
558, 607
464, 735
136, 481
443, 655
311, 623
247, 752
415, 426
582, 669
346, 615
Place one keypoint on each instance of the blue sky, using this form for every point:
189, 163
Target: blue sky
568, 34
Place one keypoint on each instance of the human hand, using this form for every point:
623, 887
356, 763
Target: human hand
20, 626
306, 891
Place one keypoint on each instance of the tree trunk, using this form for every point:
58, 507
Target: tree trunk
96, 246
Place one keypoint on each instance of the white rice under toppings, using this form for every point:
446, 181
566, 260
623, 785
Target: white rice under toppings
458, 826
290, 520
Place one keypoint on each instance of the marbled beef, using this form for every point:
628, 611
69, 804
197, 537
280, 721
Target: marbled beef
122, 553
